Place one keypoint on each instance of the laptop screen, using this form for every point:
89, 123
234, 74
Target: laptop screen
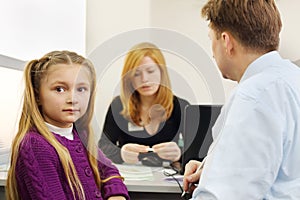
197, 135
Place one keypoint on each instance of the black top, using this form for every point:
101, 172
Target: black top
118, 131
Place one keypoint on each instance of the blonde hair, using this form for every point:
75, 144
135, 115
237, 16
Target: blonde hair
130, 97
31, 116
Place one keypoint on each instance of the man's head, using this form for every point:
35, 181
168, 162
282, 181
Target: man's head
241, 31
256, 24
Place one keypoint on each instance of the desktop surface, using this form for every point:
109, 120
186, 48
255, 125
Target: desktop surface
149, 183
140, 178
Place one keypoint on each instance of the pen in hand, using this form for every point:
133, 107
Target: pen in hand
187, 194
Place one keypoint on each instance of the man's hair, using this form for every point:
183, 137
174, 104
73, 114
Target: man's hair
256, 24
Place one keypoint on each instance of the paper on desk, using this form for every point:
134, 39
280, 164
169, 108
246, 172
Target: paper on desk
135, 172
178, 177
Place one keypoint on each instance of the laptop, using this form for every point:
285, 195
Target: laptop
197, 131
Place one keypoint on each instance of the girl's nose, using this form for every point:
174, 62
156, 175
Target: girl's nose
72, 99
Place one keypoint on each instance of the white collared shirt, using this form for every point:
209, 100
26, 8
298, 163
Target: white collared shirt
256, 150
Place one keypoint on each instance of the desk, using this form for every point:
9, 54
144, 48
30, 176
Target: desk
155, 189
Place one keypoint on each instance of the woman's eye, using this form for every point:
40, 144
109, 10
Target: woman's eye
60, 89
137, 74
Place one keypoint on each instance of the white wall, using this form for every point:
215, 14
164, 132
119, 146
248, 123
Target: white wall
106, 18
31, 28
290, 42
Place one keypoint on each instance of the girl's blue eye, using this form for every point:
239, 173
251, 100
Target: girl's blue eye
60, 89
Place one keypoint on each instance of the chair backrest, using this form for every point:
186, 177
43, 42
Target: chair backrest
197, 135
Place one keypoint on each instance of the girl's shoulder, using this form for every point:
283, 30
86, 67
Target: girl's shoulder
35, 148
33, 140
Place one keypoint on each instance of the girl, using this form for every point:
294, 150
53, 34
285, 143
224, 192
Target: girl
52, 156
146, 114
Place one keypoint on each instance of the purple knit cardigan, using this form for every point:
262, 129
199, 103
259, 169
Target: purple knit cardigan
40, 174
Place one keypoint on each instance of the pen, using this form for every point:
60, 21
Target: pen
190, 184
186, 192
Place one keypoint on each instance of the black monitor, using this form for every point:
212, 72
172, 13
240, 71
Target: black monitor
197, 135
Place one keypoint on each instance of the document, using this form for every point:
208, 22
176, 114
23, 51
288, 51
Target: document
135, 172
179, 178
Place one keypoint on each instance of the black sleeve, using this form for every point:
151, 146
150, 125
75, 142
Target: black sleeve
108, 142
111, 150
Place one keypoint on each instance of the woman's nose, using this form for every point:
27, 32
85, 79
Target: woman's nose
144, 77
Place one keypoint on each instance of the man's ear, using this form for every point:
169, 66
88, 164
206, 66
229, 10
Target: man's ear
227, 42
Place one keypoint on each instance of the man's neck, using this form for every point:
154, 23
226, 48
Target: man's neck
242, 62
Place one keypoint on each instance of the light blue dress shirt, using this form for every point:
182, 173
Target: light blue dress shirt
256, 150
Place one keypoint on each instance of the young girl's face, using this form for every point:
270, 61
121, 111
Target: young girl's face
64, 94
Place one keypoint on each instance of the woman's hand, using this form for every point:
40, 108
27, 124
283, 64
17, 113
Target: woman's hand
168, 151
130, 152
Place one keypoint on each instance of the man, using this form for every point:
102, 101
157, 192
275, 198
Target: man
256, 150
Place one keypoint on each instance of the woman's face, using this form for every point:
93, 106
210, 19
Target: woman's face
147, 77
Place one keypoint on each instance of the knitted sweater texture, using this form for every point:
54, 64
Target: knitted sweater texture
40, 174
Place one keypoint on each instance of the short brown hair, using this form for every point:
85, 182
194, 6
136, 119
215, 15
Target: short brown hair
256, 24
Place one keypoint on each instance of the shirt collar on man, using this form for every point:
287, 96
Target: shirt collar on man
260, 64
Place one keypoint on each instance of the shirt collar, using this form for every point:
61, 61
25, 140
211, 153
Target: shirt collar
260, 64
64, 132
